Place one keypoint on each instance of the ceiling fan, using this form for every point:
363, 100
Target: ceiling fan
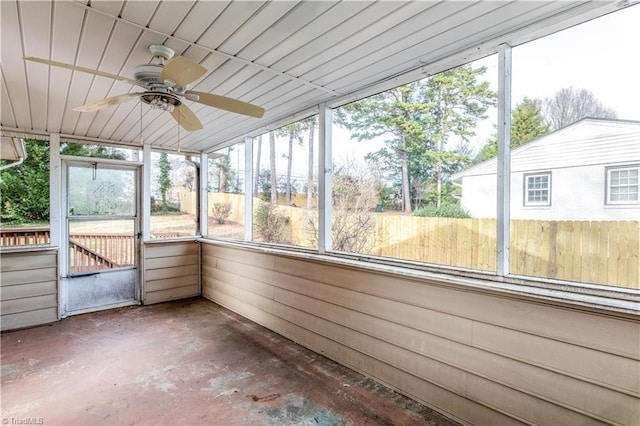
165, 87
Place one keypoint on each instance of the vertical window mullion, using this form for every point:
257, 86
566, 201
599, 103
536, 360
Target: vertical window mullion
56, 209
504, 160
248, 188
204, 194
146, 192
325, 173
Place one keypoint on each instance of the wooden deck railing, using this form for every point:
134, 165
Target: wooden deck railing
83, 259
94, 252
24, 236
88, 251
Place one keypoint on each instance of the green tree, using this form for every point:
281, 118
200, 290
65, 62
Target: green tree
25, 188
99, 151
223, 175
455, 102
391, 114
422, 120
164, 178
527, 123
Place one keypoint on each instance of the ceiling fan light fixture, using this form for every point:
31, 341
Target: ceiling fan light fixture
161, 101
158, 103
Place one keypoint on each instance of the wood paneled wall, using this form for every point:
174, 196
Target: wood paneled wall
171, 271
478, 356
29, 288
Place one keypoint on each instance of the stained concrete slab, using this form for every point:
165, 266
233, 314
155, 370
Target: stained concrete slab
187, 362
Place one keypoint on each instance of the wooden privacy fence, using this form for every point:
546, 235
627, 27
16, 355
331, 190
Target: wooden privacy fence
466, 243
603, 252
599, 252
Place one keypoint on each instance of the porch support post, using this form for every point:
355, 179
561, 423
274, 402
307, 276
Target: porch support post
248, 188
504, 161
56, 214
146, 193
204, 194
325, 179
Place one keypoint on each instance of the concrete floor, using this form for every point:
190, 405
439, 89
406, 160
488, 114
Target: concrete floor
186, 362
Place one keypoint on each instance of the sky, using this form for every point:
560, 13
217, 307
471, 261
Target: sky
602, 55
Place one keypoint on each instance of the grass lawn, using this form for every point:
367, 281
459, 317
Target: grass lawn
172, 222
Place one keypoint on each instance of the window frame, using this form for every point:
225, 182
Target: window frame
607, 189
150, 236
578, 292
245, 146
526, 189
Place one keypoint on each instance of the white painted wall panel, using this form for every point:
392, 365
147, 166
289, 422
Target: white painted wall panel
171, 271
28, 288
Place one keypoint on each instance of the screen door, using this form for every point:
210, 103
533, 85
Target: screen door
102, 232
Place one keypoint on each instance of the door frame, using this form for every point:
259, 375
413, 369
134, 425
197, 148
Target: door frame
65, 277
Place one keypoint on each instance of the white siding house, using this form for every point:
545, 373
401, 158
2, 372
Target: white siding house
585, 171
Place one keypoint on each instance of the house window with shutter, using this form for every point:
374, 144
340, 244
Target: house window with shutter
622, 185
537, 189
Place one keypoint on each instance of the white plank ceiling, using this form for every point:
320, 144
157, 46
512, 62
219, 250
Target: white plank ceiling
286, 56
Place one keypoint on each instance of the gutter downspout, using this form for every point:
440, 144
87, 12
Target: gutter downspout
22, 155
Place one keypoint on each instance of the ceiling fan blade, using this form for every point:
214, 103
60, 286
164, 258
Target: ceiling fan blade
186, 118
228, 104
115, 100
182, 71
81, 69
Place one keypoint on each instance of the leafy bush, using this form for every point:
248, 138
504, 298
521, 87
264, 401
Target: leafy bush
445, 210
270, 223
221, 212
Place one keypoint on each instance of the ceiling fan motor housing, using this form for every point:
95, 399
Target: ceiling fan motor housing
148, 74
